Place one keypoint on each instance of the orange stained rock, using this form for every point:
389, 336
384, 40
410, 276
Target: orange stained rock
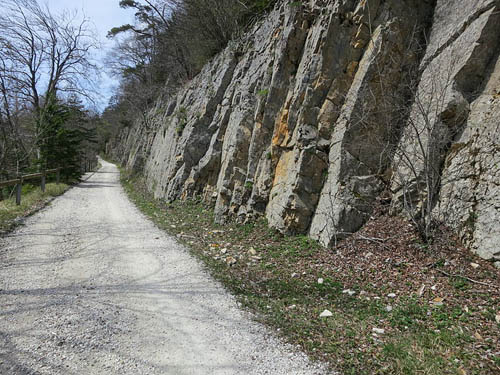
281, 133
283, 167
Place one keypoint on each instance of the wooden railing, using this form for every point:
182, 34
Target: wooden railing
86, 165
18, 182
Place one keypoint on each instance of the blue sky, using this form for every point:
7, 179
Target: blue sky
104, 14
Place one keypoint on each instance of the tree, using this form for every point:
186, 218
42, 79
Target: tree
69, 136
42, 57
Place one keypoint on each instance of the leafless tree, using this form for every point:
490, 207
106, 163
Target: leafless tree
42, 56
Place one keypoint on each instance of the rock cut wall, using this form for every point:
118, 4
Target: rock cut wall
326, 105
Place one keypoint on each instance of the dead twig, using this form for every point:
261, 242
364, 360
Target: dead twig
379, 241
467, 278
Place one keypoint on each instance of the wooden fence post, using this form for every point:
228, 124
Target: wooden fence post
43, 181
58, 176
19, 187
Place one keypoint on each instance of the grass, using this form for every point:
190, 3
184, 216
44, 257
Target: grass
32, 199
276, 277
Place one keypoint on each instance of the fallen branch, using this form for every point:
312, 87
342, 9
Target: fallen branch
468, 279
379, 241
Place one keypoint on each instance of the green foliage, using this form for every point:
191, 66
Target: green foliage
408, 314
63, 133
117, 30
181, 120
263, 92
180, 128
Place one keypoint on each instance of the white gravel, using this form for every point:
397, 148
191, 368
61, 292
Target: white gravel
90, 286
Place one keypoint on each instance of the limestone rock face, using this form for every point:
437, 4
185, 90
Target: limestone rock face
448, 157
469, 199
325, 105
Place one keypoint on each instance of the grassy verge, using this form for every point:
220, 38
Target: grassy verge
396, 306
31, 201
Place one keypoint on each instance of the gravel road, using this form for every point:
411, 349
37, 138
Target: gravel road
90, 286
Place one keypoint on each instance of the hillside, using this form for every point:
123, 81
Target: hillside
327, 109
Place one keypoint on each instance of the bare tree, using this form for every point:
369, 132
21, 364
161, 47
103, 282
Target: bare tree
42, 56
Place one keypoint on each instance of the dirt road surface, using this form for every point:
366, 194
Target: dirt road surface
90, 286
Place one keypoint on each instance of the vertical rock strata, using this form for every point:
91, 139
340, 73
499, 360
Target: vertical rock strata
324, 105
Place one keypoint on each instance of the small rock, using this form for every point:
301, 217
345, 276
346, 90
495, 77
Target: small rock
474, 265
388, 308
391, 295
223, 251
378, 331
295, 274
438, 301
320, 280
497, 317
231, 261
434, 287
349, 291
421, 290
252, 251
325, 314
291, 307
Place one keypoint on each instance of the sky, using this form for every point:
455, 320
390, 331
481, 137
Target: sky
104, 15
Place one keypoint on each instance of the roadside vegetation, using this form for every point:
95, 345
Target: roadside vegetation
377, 303
33, 199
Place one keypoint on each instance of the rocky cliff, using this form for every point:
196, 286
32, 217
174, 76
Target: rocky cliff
329, 107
